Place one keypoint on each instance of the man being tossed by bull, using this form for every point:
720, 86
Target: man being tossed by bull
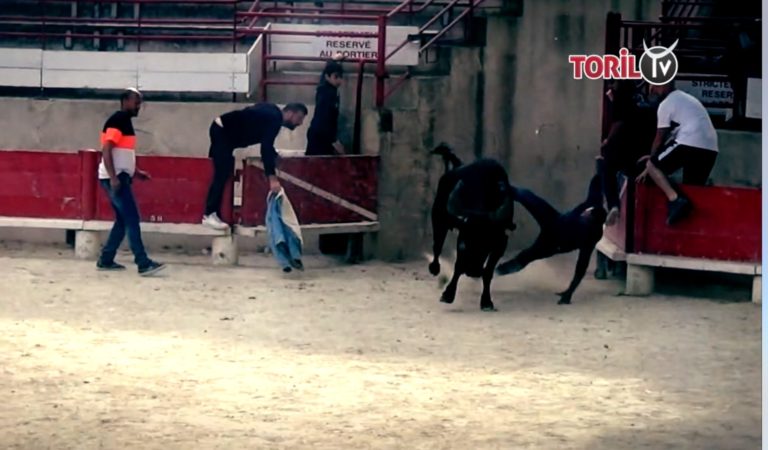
578, 229
478, 200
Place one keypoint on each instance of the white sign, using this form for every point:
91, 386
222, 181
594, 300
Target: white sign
708, 92
349, 47
364, 47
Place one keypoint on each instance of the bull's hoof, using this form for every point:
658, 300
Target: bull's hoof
486, 304
434, 268
448, 297
564, 301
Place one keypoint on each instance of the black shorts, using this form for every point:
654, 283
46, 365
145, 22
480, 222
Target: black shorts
697, 163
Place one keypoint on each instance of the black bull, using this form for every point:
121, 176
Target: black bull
482, 238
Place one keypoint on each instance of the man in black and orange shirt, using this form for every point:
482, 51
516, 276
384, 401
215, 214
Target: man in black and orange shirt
116, 172
258, 124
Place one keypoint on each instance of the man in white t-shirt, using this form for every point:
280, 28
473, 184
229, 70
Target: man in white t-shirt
685, 139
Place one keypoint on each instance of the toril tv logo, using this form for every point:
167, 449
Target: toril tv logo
658, 65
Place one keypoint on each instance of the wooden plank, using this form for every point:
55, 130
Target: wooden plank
611, 250
182, 72
679, 262
163, 228
253, 63
321, 193
190, 62
349, 197
86, 61
182, 81
89, 79
29, 222
320, 228
21, 58
19, 77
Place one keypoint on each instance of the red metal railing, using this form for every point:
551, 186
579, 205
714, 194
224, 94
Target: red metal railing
381, 19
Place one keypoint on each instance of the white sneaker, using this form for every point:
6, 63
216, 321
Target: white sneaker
213, 221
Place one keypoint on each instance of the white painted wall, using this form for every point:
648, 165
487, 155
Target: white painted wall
20, 67
177, 72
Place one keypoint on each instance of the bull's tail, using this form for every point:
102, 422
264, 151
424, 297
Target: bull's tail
450, 159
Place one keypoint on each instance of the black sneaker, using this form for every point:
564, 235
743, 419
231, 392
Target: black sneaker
151, 269
677, 209
110, 266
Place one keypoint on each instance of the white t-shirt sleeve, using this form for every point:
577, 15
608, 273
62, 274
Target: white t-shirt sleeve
664, 114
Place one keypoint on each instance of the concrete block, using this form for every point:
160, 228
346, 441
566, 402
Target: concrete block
87, 244
757, 289
224, 251
640, 280
370, 246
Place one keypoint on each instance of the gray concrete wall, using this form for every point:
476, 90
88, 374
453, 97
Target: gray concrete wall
739, 161
538, 120
162, 128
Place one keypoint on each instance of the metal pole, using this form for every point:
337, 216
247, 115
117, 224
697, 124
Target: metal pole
263, 80
138, 19
356, 140
381, 70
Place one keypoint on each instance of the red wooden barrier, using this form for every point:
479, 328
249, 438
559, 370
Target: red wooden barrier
175, 194
89, 167
725, 224
335, 189
41, 184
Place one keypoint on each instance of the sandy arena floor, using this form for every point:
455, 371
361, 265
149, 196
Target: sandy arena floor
363, 357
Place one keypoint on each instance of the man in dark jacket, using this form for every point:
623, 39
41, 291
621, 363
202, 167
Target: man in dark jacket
258, 124
323, 130
578, 229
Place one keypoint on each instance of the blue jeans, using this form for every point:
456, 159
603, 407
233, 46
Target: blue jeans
126, 222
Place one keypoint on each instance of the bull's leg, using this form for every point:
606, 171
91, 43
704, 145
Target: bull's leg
449, 294
486, 304
439, 232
